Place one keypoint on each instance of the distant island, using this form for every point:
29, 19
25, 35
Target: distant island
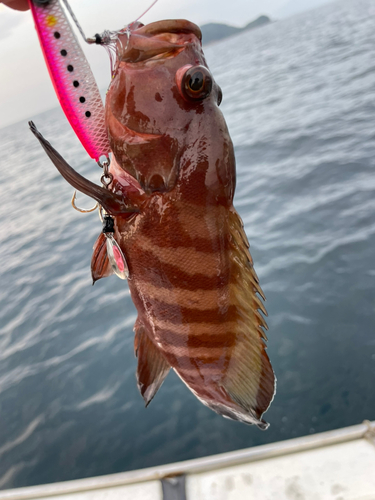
215, 31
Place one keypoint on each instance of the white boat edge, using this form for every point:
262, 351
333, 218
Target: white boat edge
364, 431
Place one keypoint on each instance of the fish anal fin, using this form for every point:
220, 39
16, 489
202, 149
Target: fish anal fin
152, 367
100, 265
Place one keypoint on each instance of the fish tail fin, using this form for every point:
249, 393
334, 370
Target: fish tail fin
240, 396
252, 401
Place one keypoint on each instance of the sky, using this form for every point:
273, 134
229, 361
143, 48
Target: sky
25, 87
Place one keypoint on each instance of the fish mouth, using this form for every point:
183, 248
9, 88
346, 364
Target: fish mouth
157, 40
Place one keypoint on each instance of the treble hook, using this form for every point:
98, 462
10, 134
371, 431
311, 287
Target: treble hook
82, 210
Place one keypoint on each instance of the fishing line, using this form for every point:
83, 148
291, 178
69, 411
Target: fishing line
108, 39
72, 15
107, 36
128, 27
145, 12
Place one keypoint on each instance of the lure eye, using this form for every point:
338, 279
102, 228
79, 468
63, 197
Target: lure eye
196, 83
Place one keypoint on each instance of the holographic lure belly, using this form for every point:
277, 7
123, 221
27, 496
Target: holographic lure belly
71, 75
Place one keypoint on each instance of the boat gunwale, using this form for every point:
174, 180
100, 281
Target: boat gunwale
196, 465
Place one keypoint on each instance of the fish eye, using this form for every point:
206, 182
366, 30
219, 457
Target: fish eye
196, 83
219, 96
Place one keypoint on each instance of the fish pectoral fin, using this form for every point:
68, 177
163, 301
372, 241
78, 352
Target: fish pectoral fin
100, 265
152, 367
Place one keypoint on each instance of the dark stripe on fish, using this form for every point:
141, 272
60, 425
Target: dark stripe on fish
227, 339
172, 276
183, 315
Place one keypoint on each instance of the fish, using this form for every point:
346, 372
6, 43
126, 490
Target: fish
191, 276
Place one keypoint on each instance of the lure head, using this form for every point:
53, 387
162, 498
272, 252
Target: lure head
162, 110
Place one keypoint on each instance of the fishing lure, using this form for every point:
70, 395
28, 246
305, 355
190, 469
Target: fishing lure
115, 256
71, 76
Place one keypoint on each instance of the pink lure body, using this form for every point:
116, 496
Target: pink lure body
72, 77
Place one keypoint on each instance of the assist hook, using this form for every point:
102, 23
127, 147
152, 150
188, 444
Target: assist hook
82, 210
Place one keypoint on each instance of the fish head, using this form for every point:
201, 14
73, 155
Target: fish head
162, 105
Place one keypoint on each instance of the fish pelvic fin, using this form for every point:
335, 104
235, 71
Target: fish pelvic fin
100, 265
152, 367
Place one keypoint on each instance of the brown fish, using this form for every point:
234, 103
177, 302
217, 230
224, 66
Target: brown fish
192, 279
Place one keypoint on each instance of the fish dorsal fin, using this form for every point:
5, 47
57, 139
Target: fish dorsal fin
152, 367
100, 265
